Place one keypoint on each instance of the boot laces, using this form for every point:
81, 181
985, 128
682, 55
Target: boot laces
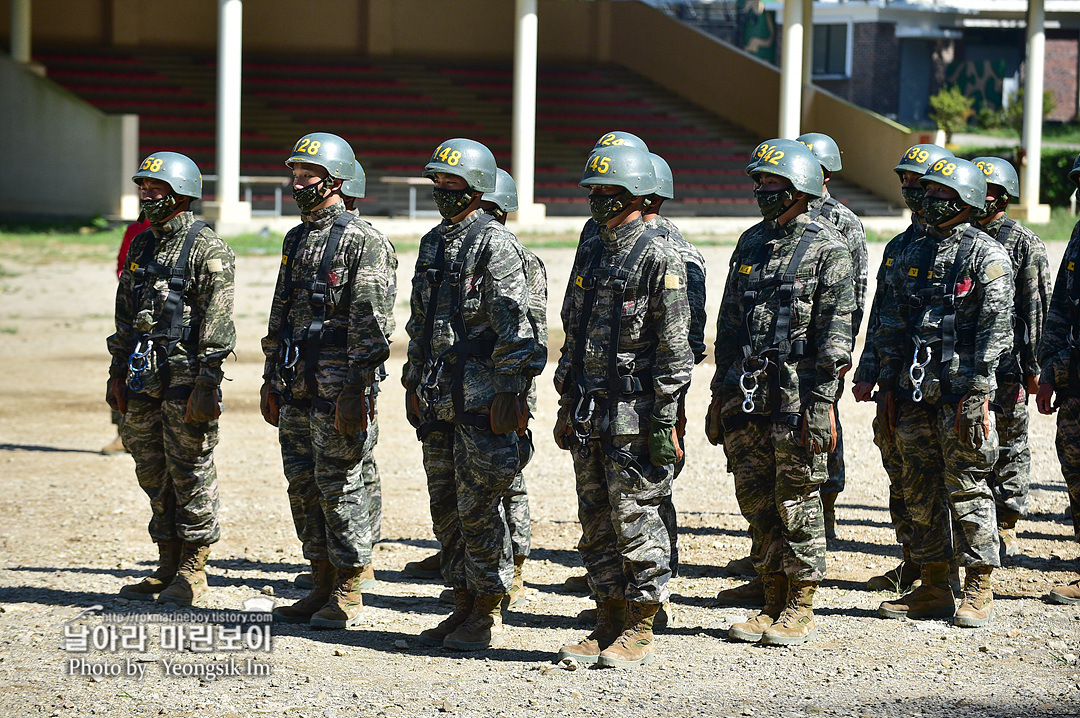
973, 589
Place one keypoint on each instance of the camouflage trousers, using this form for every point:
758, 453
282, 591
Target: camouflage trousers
518, 520
326, 490
469, 473
893, 465
369, 476
624, 543
837, 477
1068, 451
945, 487
777, 487
1012, 471
174, 463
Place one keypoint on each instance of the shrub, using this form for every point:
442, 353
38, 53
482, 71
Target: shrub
950, 109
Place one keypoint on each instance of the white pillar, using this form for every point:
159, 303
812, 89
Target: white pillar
808, 42
1031, 139
20, 31
523, 136
791, 70
230, 210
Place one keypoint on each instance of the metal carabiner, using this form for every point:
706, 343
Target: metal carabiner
292, 356
748, 382
582, 423
138, 362
917, 371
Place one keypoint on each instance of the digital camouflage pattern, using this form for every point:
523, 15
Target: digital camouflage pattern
327, 493
772, 469
369, 476
695, 283
625, 544
1031, 274
174, 461
935, 460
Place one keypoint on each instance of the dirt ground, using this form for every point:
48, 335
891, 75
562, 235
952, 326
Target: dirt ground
73, 531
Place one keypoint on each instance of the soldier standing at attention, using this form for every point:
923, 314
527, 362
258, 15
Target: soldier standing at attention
1018, 370
473, 353
174, 327
783, 336
329, 329
940, 338
1059, 356
625, 362
913, 165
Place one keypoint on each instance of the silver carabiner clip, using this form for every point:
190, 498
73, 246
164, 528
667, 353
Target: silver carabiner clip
748, 382
292, 355
917, 371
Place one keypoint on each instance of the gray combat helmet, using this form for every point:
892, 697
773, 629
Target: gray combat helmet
960, 175
505, 195
618, 138
178, 170
464, 158
665, 183
791, 160
1074, 173
919, 158
622, 166
1000, 172
328, 151
824, 148
357, 186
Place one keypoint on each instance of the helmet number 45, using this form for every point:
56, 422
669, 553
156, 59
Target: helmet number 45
600, 164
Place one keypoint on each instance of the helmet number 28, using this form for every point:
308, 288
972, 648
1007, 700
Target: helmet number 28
600, 164
152, 163
306, 144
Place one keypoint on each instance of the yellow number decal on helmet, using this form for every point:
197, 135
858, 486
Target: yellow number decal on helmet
600, 164
152, 163
944, 167
986, 167
454, 158
773, 156
918, 154
808, 146
302, 145
313, 148
610, 140
762, 150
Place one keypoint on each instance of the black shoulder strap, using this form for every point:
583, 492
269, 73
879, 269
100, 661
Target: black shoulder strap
826, 208
319, 288
172, 311
1005, 230
948, 318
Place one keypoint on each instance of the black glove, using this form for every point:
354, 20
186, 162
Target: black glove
972, 422
353, 410
116, 394
664, 448
269, 404
202, 403
819, 427
563, 431
714, 427
509, 413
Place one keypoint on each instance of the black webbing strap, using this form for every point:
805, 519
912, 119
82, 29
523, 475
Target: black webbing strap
948, 318
826, 208
319, 286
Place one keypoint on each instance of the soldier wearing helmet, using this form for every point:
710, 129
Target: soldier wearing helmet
1018, 370
1059, 381
328, 333
940, 341
174, 328
625, 362
783, 337
473, 354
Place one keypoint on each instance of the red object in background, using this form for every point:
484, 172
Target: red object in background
130, 233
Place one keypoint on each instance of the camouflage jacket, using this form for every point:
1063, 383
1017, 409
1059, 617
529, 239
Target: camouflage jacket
851, 228
362, 287
1062, 320
983, 314
538, 297
207, 306
495, 301
695, 284
869, 363
822, 303
654, 327
1031, 274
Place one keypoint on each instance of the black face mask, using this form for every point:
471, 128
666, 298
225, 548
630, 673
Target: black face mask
310, 197
775, 203
938, 210
451, 202
978, 214
913, 197
158, 210
605, 207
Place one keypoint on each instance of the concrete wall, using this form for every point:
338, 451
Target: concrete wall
62, 157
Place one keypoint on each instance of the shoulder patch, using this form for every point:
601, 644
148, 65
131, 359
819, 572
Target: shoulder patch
213, 265
913, 272
745, 269
994, 271
888, 261
1072, 266
671, 281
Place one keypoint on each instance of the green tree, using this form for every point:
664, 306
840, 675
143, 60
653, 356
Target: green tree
1013, 116
950, 110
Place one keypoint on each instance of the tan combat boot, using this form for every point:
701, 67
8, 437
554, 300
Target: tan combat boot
150, 587
367, 578
430, 567
748, 594
189, 588
898, 579
322, 575
114, 447
932, 599
345, 606
776, 590
482, 629
977, 606
1066, 594
610, 619
516, 597
578, 584
463, 602
796, 624
635, 645
1010, 544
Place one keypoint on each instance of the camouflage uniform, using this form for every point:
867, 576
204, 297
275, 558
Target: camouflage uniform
470, 469
625, 544
929, 447
869, 370
1058, 361
776, 478
330, 506
174, 461
1012, 470
851, 229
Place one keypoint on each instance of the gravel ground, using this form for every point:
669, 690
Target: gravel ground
72, 531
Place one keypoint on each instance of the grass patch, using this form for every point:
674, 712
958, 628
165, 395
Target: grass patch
9, 330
